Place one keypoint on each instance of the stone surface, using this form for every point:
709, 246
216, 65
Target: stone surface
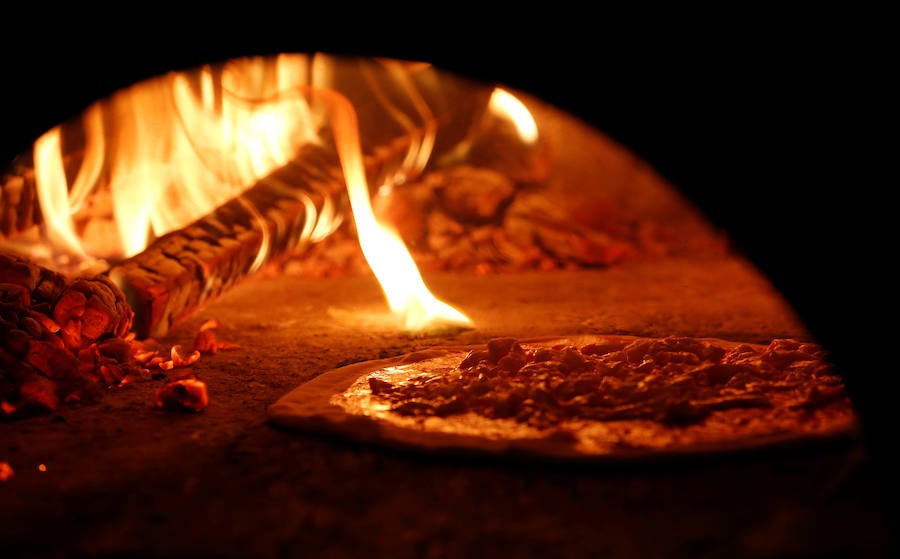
121, 478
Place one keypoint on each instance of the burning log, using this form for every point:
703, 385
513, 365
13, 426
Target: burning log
183, 270
179, 272
62, 340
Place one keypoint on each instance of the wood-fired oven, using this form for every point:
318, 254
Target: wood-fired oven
720, 140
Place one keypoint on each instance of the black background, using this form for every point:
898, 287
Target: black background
755, 116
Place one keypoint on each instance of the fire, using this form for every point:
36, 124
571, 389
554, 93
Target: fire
505, 103
387, 255
53, 192
163, 154
395, 269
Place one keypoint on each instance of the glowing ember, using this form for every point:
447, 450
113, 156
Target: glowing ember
6, 471
188, 394
60, 340
207, 342
179, 359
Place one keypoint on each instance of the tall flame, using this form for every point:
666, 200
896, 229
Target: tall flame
384, 250
54, 194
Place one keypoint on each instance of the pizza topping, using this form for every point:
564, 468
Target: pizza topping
673, 380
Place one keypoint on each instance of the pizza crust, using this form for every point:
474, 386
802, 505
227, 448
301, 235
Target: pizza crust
322, 405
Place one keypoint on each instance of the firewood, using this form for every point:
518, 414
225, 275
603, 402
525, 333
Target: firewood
182, 271
60, 339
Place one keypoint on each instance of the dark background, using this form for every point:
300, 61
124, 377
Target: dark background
754, 116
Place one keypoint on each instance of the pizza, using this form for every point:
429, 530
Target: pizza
594, 397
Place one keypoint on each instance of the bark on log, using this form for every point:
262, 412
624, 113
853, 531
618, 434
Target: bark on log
182, 270
178, 273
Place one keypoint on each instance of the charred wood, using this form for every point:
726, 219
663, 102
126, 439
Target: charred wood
299, 203
60, 339
181, 271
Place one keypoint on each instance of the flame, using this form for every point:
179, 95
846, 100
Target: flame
384, 250
504, 103
53, 192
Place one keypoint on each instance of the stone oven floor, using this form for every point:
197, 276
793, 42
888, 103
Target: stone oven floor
123, 479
